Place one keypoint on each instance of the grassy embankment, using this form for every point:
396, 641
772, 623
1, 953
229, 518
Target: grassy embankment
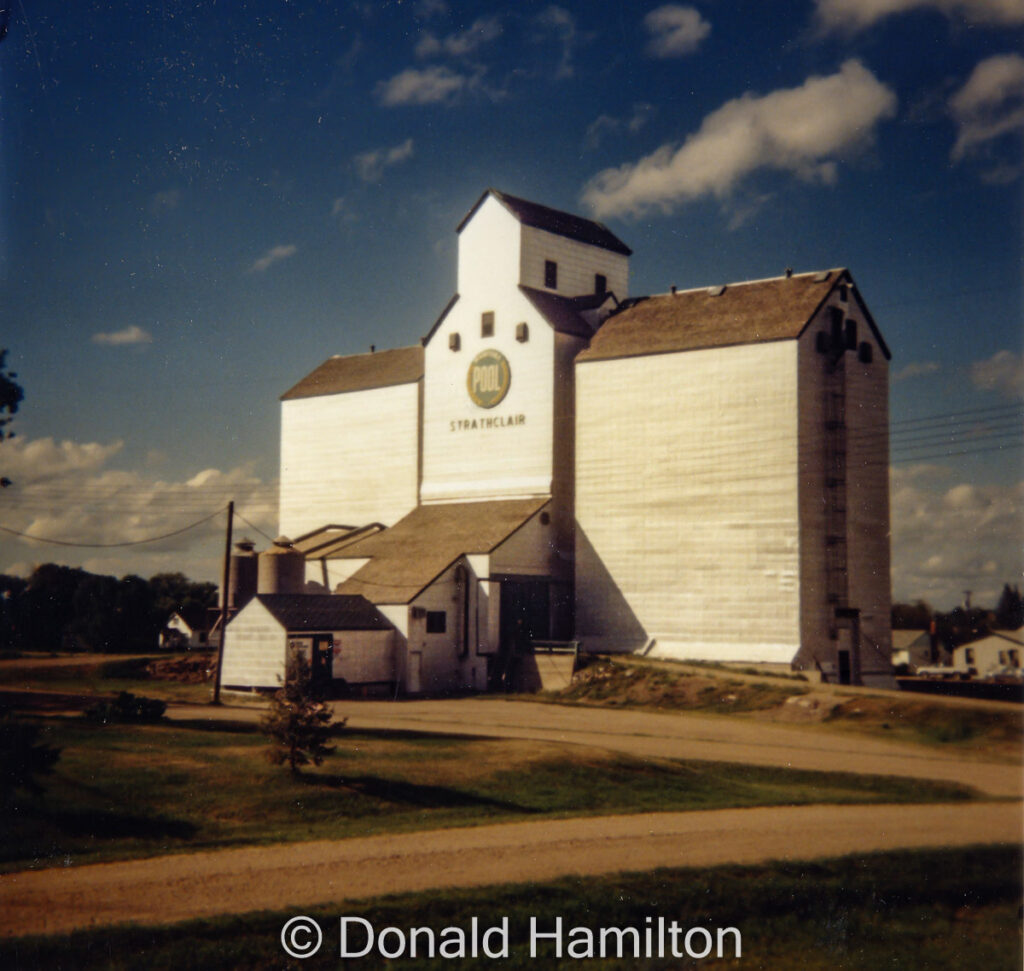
124, 791
992, 729
934, 910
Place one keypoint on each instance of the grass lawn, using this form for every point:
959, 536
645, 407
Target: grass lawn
943, 910
121, 791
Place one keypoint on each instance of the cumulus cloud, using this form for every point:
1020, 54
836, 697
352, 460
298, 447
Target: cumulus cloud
674, 31
917, 369
68, 491
989, 106
273, 255
853, 15
128, 335
805, 131
604, 125
1002, 372
371, 165
947, 539
460, 44
430, 85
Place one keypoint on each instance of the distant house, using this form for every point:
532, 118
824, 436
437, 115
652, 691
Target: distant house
914, 649
180, 635
345, 639
1000, 652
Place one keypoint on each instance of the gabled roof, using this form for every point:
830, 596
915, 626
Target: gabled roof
323, 612
409, 556
564, 313
740, 313
553, 221
361, 372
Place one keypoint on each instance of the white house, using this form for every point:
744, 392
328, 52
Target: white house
1001, 652
697, 474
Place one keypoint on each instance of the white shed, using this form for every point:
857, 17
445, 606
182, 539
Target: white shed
347, 641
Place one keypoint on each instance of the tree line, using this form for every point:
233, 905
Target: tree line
66, 608
962, 624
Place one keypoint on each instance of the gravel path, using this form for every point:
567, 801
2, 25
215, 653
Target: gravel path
291, 877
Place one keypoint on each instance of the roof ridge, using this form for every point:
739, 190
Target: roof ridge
746, 283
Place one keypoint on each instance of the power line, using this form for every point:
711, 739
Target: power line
107, 546
253, 526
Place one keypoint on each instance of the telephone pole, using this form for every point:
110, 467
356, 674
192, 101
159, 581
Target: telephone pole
224, 605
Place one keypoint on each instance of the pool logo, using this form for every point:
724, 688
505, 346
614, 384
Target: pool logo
488, 379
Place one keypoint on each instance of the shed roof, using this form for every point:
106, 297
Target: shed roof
564, 313
409, 556
553, 221
741, 313
323, 611
361, 372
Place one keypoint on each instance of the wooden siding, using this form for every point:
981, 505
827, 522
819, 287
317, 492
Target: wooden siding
364, 656
577, 264
497, 461
488, 261
686, 503
254, 648
349, 458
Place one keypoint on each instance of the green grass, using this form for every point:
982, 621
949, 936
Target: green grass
102, 678
941, 910
135, 790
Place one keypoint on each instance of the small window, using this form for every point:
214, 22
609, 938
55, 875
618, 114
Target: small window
1014, 657
844, 294
551, 274
522, 333
864, 353
969, 655
454, 342
487, 323
437, 622
600, 283
851, 335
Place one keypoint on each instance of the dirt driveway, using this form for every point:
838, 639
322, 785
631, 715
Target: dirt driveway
291, 877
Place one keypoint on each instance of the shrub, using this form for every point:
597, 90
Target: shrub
126, 707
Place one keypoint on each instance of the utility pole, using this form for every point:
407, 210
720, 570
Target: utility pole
224, 605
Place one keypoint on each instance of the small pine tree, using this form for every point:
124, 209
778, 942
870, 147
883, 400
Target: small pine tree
298, 724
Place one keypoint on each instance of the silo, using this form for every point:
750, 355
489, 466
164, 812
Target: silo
242, 574
282, 569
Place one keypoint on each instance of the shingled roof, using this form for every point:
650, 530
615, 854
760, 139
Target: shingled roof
361, 372
323, 612
410, 555
553, 221
564, 313
740, 313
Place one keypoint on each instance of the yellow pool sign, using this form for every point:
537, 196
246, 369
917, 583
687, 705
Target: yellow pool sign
488, 379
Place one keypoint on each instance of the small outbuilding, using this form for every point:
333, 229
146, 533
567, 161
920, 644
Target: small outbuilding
345, 639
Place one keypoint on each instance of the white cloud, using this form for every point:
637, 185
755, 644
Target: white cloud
68, 491
946, 540
857, 14
128, 335
371, 165
338, 206
917, 369
1002, 372
610, 125
804, 130
560, 22
431, 85
674, 31
989, 106
273, 255
480, 32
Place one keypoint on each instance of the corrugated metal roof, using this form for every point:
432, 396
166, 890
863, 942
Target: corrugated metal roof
361, 372
740, 313
553, 221
410, 555
323, 611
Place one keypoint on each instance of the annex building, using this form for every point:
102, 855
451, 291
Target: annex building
699, 474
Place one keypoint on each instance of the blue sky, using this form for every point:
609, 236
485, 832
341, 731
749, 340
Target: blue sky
201, 201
